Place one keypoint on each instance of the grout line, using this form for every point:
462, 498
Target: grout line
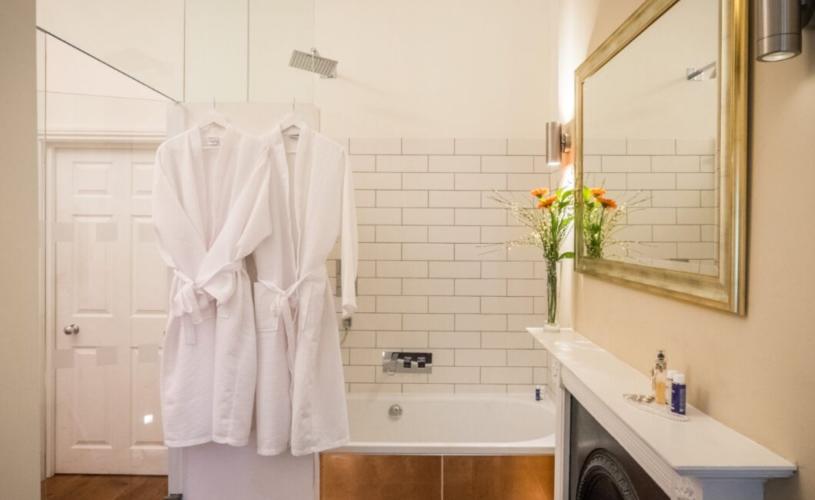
442, 475
248, 48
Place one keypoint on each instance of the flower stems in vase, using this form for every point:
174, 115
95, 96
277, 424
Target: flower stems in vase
549, 218
552, 295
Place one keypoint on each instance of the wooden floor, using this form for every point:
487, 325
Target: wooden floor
84, 487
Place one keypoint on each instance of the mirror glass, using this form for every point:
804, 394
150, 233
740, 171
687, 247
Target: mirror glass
650, 122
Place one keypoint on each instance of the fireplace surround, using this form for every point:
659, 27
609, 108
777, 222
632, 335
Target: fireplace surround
698, 459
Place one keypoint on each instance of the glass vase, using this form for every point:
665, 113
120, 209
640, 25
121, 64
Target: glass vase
552, 295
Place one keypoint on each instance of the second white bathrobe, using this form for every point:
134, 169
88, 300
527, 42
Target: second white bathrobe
301, 390
210, 210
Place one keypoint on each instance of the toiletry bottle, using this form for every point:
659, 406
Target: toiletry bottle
678, 394
658, 378
537, 393
669, 386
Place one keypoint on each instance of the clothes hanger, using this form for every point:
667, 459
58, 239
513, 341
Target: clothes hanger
214, 118
291, 124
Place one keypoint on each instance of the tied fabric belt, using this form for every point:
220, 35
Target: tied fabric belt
193, 298
281, 307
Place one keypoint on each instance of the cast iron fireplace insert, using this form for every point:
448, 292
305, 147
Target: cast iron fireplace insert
601, 469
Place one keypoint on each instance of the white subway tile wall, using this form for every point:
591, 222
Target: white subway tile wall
675, 180
433, 274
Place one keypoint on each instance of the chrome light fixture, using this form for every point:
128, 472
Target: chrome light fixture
558, 144
778, 27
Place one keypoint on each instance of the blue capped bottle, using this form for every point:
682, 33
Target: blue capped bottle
678, 394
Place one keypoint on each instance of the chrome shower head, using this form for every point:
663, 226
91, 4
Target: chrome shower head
327, 68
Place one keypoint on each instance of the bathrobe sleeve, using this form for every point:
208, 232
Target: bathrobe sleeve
349, 243
178, 241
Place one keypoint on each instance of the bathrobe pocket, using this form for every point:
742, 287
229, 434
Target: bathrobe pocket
267, 317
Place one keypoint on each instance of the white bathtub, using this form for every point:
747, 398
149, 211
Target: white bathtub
450, 424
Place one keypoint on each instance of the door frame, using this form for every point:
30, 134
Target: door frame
50, 144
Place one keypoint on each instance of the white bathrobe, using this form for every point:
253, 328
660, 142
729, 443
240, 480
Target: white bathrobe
210, 210
301, 389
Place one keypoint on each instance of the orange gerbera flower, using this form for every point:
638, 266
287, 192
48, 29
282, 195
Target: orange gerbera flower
598, 191
539, 192
547, 202
607, 202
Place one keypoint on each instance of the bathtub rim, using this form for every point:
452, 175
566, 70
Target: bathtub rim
544, 445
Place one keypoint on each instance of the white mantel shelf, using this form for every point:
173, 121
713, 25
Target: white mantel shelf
699, 458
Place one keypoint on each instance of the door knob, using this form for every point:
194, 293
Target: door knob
71, 329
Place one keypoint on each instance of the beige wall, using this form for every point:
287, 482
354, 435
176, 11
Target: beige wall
447, 68
20, 367
754, 373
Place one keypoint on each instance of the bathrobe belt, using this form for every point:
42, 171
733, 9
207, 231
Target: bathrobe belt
281, 307
193, 298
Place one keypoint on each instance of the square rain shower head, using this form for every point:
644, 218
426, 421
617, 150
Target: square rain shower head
327, 68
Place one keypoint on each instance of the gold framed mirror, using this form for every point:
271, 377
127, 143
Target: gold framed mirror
661, 153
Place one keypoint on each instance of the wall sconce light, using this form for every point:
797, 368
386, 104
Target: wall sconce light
778, 27
558, 144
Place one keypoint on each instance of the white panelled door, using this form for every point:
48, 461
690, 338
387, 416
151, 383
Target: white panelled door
110, 309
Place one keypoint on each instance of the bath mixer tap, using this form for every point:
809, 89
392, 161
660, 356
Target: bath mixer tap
389, 362
407, 362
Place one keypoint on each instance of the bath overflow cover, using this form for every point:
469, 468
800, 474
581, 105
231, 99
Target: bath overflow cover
395, 411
